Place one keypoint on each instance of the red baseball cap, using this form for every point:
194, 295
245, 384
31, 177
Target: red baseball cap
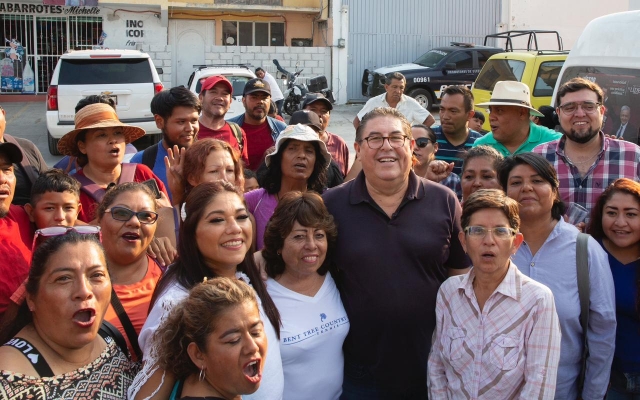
213, 80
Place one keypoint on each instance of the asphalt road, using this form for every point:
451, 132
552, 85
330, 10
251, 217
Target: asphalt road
27, 120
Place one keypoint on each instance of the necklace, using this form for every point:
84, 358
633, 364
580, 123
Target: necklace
588, 160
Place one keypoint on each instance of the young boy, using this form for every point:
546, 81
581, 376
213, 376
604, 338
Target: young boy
55, 200
250, 180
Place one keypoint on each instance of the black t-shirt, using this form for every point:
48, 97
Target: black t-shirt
389, 273
22, 194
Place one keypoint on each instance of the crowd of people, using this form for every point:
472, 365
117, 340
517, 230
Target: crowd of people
231, 261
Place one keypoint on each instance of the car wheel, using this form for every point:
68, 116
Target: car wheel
53, 145
290, 106
423, 97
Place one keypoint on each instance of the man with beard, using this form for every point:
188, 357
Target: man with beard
216, 96
586, 160
512, 132
262, 130
176, 114
453, 135
16, 231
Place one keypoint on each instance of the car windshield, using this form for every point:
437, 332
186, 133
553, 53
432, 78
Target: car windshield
431, 58
237, 82
621, 88
499, 70
96, 71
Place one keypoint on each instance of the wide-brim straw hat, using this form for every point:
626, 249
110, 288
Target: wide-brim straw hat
95, 116
303, 133
511, 93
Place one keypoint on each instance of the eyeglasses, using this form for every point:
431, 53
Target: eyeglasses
376, 142
500, 232
125, 214
44, 233
423, 142
588, 107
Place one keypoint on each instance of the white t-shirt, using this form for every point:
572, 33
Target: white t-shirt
276, 93
313, 331
272, 385
408, 106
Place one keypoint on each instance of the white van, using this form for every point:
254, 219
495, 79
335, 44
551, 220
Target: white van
608, 53
127, 76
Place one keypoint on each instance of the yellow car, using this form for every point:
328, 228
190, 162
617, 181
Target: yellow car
538, 69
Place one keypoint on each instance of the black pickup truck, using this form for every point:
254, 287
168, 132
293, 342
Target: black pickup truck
458, 64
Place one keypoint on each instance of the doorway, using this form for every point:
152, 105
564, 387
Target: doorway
189, 40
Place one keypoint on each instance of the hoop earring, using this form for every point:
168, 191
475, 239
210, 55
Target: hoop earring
202, 374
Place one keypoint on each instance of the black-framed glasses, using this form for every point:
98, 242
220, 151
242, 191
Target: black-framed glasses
376, 142
44, 233
588, 107
499, 232
422, 142
124, 214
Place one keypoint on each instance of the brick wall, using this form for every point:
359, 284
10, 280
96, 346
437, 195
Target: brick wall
314, 60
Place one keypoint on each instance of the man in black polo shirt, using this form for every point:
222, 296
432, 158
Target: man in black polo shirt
397, 242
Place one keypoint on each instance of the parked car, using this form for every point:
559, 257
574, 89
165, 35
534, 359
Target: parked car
429, 74
128, 76
539, 69
237, 74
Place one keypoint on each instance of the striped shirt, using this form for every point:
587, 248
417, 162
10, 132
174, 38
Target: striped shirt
450, 153
510, 349
617, 159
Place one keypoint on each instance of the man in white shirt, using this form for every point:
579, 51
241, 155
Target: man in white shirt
394, 97
276, 93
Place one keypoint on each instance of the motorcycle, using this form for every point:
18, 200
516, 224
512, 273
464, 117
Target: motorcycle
295, 93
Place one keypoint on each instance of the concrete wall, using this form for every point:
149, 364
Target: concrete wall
129, 30
315, 60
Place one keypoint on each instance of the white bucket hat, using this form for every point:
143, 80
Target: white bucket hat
305, 134
511, 93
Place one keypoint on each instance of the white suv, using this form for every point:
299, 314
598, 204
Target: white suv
128, 76
237, 74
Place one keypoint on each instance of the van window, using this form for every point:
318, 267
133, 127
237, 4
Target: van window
462, 60
499, 70
547, 77
96, 71
621, 87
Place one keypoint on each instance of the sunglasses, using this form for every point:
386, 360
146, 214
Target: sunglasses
42, 234
124, 214
423, 142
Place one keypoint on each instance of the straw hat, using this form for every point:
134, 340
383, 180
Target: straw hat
305, 134
93, 116
511, 93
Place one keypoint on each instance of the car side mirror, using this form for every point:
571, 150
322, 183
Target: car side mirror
159, 70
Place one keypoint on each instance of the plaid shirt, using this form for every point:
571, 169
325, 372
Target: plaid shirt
617, 159
509, 350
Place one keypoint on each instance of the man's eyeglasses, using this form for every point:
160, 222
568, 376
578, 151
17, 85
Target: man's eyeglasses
44, 233
376, 142
423, 142
588, 107
124, 214
500, 232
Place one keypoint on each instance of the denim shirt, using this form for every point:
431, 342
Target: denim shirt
275, 125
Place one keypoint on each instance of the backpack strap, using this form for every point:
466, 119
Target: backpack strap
584, 289
33, 355
128, 172
95, 191
237, 132
126, 323
108, 330
149, 156
26, 165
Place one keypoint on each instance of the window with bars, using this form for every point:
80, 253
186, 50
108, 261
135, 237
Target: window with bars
33, 45
247, 33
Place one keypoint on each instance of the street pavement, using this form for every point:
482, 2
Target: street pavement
27, 120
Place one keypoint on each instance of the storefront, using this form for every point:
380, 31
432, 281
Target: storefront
36, 35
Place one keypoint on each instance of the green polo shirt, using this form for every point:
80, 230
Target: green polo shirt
537, 135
